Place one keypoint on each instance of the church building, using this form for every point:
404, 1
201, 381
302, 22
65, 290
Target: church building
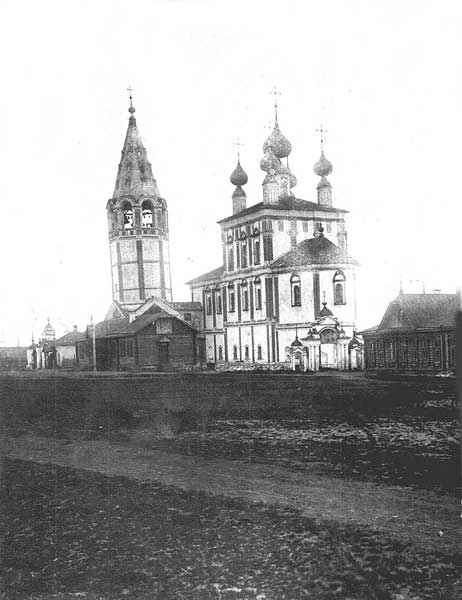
143, 327
284, 294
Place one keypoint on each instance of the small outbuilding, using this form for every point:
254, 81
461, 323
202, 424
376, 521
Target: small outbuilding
154, 336
416, 334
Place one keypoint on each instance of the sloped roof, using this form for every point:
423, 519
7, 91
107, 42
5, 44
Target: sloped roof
134, 176
187, 305
69, 339
116, 310
210, 276
430, 310
317, 250
286, 203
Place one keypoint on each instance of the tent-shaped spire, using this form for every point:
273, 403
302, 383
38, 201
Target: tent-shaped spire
134, 176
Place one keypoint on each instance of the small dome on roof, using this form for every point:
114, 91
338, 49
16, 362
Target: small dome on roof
48, 331
296, 343
277, 143
323, 167
325, 312
269, 161
239, 176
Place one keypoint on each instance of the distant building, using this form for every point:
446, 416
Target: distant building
13, 358
285, 293
42, 355
416, 333
66, 348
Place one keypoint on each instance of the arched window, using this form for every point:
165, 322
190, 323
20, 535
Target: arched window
328, 336
246, 353
296, 294
147, 212
259, 353
127, 212
257, 285
339, 288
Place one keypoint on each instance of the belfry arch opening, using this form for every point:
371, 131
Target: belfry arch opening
127, 214
147, 214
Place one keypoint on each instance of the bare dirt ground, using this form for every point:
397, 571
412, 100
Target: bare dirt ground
229, 487
418, 517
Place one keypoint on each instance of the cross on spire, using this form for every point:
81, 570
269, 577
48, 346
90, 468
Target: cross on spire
322, 131
130, 91
237, 144
276, 94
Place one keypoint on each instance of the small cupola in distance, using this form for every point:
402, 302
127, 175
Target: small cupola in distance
323, 168
239, 178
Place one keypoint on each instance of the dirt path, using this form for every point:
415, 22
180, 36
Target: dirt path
412, 515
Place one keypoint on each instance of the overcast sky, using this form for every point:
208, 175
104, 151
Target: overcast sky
384, 78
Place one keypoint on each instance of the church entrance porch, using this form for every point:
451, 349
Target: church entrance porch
328, 356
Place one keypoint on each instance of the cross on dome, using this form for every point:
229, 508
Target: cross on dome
322, 131
130, 91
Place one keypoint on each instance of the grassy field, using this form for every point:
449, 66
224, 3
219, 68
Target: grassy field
74, 534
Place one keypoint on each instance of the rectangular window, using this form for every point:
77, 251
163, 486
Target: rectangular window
281, 225
244, 256
259, 353
209, 304
187, 316
267, 225
232, 306
258, 298
267, 248
220, 352
130, 348
305, 225
122, 348
316, 295
246, 353
245, 300
256, 252
238, 257
328, 227
234, 352
163, 326
231, 259
218, 303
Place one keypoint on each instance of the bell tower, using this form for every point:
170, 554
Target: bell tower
138, 227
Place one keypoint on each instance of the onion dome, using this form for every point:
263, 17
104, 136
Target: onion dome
48, 331
323, 167
277, 143
239, 193
269, 162
239, 176
325, 312
296, 343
